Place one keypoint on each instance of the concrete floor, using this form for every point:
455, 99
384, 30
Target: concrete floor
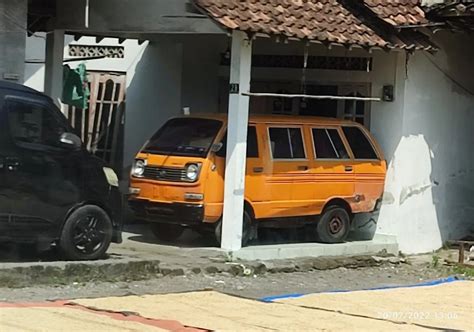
273, 245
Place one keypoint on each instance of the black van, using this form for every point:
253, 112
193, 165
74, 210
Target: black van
52, 191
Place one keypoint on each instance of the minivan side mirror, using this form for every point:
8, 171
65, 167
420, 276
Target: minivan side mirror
216, 147
70, 141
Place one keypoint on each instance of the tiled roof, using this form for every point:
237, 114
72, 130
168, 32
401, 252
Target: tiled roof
345, 22
398, 12
455, 14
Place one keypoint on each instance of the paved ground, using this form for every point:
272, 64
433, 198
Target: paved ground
142, 256
253, 286
444, 306
189, 265
307, 276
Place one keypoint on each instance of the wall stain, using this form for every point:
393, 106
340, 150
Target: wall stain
411, 191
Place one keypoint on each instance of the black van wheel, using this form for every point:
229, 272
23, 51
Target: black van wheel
246, 230
167, 232
86, 234
334, 225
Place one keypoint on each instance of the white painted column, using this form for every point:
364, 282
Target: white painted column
53, 78
240, 72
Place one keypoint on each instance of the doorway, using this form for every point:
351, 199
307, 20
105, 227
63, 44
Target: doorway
101, 126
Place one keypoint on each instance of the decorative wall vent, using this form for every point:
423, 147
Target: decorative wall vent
96, 51
314, 62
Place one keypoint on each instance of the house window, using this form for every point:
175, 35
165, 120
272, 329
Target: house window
328, 144
360, 145
355, 110
287, 143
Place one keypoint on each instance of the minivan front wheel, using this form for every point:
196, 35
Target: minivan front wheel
246, 230
334, 225
86, 234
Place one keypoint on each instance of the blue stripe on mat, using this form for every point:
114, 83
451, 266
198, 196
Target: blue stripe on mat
270, 299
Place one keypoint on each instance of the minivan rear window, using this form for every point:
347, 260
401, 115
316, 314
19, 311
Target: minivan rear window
359, 143
184, 137
328, 144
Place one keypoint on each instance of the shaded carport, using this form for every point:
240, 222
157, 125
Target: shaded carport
144, 18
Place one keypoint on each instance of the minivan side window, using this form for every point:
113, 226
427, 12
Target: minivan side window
328, 144
32, 123
252, 144
286, 143
359, 143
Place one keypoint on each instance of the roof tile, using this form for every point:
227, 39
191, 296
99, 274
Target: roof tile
321, 20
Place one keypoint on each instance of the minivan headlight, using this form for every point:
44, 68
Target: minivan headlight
192, 172
138, 168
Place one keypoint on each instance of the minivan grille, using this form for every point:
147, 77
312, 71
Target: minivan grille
164, 173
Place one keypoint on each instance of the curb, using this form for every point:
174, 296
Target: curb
64, 273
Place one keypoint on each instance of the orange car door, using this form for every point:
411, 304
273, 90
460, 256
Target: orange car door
255, 171
332, 169
286, 160
254, 179
369, 168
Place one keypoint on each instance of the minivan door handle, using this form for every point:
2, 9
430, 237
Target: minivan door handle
258, 169
348, 168
302, 168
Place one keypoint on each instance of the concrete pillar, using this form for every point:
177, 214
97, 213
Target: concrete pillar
12, 39
240, 72
53, 77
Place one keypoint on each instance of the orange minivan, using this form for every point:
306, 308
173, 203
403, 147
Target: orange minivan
301, 171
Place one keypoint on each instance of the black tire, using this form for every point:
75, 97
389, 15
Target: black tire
246, 230
334, 225
86, 234
167, 232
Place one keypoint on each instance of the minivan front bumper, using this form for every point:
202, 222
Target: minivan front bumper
176, 213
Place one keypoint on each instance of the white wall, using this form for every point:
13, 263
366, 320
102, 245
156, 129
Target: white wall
429, 190
36, 47
35, 61
13, 24
153, 95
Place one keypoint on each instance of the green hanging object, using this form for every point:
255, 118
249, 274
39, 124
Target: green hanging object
75, 89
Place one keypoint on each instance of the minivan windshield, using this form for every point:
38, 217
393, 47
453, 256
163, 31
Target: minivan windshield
184, 137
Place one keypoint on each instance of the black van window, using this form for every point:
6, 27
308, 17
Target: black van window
287, 143
33, 123
252, 144
360, 145
328, 144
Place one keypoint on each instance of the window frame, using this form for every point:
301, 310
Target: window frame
343, 139
369, 138
301, 128
224, 135
48, 107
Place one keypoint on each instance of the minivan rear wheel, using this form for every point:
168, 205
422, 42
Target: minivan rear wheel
334, 225
167, 232
86, 234
246, 230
